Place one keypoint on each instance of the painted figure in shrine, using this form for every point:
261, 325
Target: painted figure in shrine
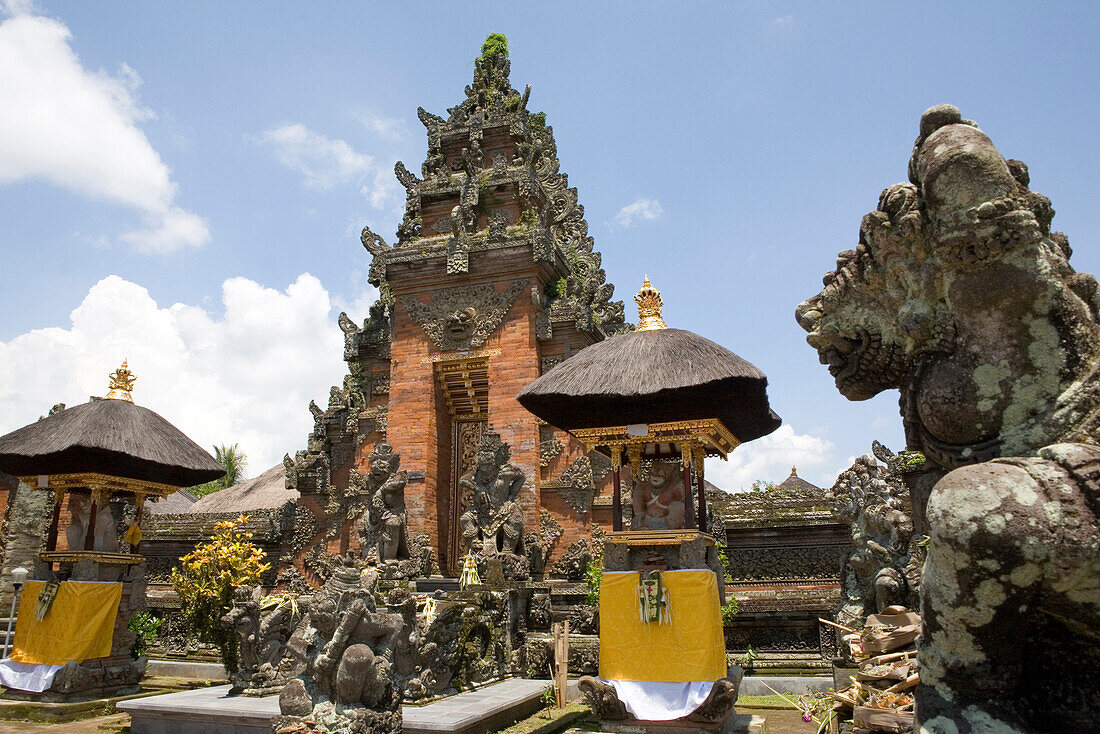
658, 499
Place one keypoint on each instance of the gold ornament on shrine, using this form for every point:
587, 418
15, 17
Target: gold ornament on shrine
122, 382
649, 308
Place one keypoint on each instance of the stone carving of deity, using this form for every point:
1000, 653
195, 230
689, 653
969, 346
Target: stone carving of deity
387, 515
494, 517
385, 527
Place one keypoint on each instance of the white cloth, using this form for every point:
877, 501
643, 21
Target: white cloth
659, 700
27, 676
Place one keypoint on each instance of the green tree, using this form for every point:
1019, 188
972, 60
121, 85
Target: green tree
206, 578
593, 575
233, 460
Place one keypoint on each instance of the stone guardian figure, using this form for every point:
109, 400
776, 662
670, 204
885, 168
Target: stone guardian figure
960, 296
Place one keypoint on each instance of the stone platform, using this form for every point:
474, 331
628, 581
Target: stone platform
734, 724
763, 685
214, 711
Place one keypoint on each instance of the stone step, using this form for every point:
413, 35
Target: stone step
214, 711
757, 685
186, 669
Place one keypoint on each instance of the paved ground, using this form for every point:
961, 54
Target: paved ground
782, 722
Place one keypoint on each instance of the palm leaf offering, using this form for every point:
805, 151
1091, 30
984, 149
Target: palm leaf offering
880, 698
45, 599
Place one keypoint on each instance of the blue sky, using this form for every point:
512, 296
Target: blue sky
219, 159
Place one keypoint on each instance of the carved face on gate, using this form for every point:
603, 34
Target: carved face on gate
460, 324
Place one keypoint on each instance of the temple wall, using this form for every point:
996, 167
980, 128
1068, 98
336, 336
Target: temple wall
413, 428
509, 372
26, 520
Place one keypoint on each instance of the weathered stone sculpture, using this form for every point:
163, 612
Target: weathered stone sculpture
347, 684
884, 565
495, 519
383, 530
961, 297
262, 637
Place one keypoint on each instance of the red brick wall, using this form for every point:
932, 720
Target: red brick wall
412, 427
509, 372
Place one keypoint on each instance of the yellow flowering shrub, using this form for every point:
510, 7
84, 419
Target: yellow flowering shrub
206, 578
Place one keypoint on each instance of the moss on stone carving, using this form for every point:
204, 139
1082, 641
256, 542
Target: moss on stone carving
496, 44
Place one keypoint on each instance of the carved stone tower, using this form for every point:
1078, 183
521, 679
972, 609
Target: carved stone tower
493, 280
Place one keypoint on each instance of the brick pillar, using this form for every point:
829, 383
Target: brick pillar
413, 422
509, 372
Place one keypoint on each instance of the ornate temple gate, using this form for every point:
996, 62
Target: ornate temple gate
465, 385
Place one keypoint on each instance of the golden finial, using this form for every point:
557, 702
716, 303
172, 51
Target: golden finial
794, 470
122, 382
649, 308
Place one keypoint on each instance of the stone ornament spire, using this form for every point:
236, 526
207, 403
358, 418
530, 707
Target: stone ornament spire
122, 382
649, 308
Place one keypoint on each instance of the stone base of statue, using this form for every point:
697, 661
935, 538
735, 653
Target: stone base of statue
400, 570
663, 550
734, 723
330, 717
117, 675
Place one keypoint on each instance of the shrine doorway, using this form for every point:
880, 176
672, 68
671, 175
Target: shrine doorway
465, 435
464, 384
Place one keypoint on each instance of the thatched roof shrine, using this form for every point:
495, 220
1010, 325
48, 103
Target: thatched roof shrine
653, 375
109, 436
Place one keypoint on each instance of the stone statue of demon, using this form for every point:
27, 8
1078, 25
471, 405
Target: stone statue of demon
960, 296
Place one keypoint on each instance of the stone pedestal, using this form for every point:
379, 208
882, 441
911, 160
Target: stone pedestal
664, 550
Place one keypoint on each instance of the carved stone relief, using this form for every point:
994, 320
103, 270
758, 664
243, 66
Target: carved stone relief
463, 317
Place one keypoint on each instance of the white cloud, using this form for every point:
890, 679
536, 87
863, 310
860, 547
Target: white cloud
78, 130
326, 163
382, 189
17, 7
640, 210
387, 128
784, 20
245, 376
770, 459
359, 307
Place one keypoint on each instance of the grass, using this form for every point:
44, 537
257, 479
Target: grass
550, 719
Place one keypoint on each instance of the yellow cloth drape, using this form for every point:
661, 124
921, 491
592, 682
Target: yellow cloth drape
80, 625
691, 648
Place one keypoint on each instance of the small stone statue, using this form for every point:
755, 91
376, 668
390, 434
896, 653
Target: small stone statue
387, 515
877, 573
384, 529
347, 685
262, 638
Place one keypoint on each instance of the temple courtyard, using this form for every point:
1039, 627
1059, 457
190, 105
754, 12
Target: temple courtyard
483, 489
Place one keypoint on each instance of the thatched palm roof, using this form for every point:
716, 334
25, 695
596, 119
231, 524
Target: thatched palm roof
112, 437
653, 376
268, 490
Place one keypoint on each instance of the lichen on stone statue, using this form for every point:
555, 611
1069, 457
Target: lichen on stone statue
263, 629
960, 296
